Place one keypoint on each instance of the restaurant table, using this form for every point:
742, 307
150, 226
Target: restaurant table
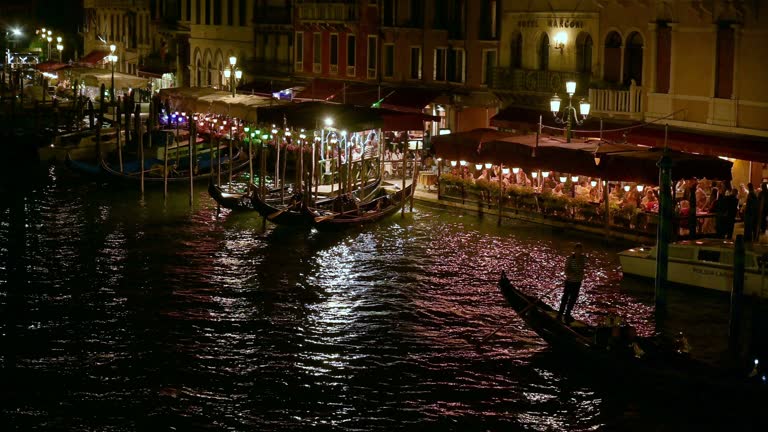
427, 179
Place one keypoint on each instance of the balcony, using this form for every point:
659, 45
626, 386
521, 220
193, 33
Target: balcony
272, 15
327, 12
618, 103
116, 4
509, 80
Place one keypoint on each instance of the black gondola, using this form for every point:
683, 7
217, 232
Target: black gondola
616, 351
360, 214
295, 213
242, 201
153, 170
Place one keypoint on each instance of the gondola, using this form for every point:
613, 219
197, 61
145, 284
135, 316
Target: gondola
614, 350
241, 201
153, 169
363, 213
296, 213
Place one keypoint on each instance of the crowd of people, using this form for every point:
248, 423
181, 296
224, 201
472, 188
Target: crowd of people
716, 204
724, 205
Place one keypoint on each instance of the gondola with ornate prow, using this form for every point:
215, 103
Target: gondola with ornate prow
615, 350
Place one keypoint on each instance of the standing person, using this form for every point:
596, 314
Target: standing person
730, 208
751, 213
763, 209
574, 274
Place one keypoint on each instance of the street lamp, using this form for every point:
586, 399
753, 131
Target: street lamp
59, 46
49, 38
569, 115
228, 74
112, 58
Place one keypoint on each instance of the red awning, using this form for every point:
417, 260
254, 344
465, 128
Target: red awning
320, 90
617, 161
412, 99
744, 147
93, 57
50, 66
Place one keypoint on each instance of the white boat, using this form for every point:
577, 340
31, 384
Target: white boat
704, 263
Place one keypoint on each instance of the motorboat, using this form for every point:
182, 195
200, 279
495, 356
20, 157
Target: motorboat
704, 263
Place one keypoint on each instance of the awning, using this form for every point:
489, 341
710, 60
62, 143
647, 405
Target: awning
412, 99
154, 72
311, 115
95, 77
93, 57
617, 161
320, 90
208, 100
408, 99
267, 88
736, 146
50, 66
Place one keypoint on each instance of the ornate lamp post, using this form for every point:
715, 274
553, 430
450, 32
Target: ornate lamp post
569, 116
49, 39
112, 57
233, 75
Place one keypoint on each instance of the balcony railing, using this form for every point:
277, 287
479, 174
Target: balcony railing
617, 101
272, 15
535, 81
327, 12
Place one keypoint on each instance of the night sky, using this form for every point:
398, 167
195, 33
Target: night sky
63, 16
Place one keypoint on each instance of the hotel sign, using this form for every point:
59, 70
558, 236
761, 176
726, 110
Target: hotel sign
565, 23
552, 22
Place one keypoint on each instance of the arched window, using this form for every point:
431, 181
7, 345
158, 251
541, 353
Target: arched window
209, 74
633, 59
544, 52
199, 73
612, 66
584, 53
516, 51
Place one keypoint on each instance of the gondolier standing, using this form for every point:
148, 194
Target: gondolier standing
574, 274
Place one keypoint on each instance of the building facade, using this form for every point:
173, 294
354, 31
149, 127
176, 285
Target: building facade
447, 45
125, 23
219, 29
694, 65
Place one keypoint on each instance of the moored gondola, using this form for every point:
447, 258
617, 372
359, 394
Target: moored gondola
617, 351
362, 213
294, 211
153, 171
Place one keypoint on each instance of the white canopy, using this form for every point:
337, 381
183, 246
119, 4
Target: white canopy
205, 100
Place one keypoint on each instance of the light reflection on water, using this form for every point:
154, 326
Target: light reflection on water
133, 313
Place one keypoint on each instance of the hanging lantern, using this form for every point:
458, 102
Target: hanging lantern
563, 179
453, 163
575, 178
478, 167
488, 165
545, 174
593, 183
639, 188
626, 188
534, 174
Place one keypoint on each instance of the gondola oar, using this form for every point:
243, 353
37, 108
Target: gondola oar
326, 217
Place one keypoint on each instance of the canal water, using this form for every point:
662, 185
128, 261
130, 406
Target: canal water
121, 314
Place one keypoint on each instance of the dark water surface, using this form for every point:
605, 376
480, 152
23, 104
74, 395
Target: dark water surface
122, 315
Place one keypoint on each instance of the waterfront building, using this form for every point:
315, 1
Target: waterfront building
696, 65
219, 30
123, 23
